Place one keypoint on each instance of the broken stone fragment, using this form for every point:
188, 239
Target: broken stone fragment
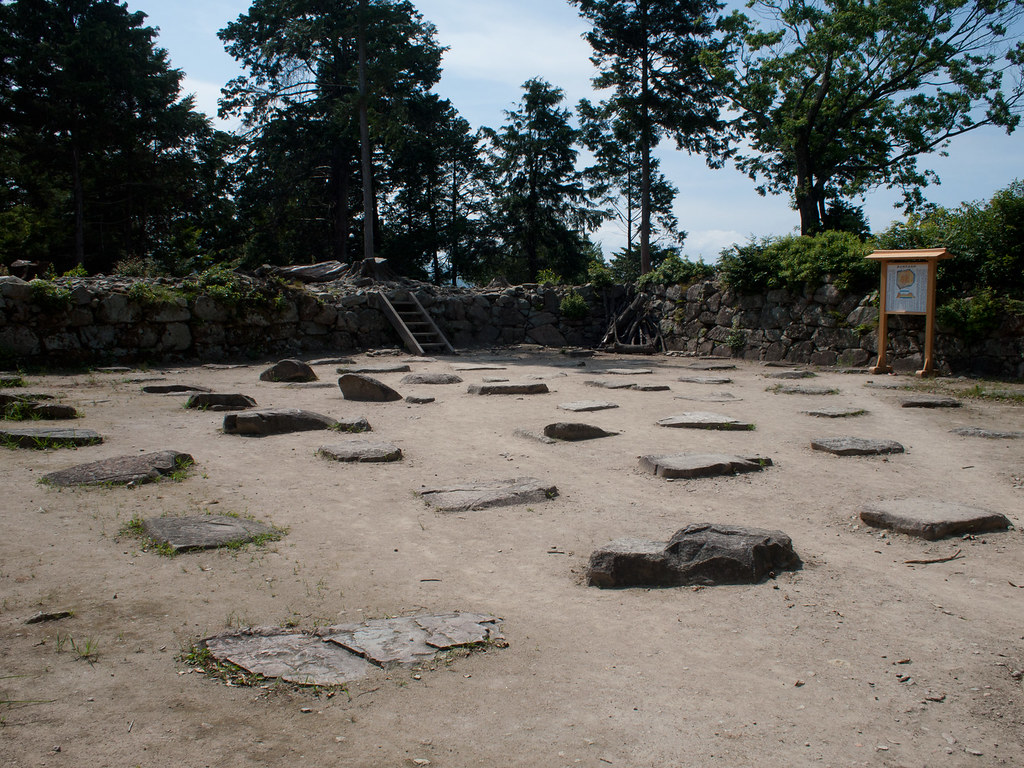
361, 451
274, 422
930, 519
509, 388
49, 437
355, 386
289, 370
855, 446
431, 378
473, 496
213, 401
122, 470
692, 465
204, 531
701, 554
704, 420
572, 431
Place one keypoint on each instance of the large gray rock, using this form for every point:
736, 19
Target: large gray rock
431, 378
289, 370
361, 450
704, 420
121, 470
356, 386
855, 446
929, 401
584, 406
204, 531
509, 388
217, 401
48, 437
323, 272
929, 519
572, 431
275, 422
702, 554
691, 465
472, 496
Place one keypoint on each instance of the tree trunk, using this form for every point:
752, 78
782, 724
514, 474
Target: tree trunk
369, 208
78, 195
645, 151
804, 197
340, 182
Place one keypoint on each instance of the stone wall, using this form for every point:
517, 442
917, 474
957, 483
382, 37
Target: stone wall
91, 320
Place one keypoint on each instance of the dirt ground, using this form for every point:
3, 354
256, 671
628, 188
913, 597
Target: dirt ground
857, 659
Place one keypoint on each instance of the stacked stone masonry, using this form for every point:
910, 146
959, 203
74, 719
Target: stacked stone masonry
97, 319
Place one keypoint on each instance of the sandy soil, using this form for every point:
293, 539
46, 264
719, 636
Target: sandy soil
857, 659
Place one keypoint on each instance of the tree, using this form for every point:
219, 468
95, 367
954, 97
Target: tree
616, 175
650, 53
326, 102
542, 205
837, 97
100, 157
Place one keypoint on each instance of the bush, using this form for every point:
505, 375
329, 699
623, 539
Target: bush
794, 261
600, 275
48, 296
573, 306
137, 266
676, 271
549, 277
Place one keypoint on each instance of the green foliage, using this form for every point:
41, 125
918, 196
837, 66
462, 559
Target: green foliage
149, 295
20, 410
574, 307
986, 240
737, 338
137, 266
78, 270
975, 317
836, 98
239, 292
549, 277
50, 297
674, 270
795, 261
599, 275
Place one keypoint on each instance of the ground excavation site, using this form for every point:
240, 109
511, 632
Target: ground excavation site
510, 558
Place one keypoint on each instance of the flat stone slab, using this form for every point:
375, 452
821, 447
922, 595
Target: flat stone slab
289, 369
855, 446
509, 388
276, 422
419, 400
701, 554
585, 406
203, 531
174, 389
627, 371
803, 389
120, 470
711, 397
396, 368
711, 365
573, 431
216, 401
929, 401
719, 380
837, 412
692, 465
611, 384
652, 387
413, 639
992, 434
930, 519
704, 420
885, 384
49, 437
479, 367
26, 408
431, 378
12, 381
356, 386
290, 656
472, 496
790, 375
361, 450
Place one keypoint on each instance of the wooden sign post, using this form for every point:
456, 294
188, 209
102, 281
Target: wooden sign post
908, 288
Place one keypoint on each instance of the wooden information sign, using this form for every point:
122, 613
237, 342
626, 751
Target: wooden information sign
908, 288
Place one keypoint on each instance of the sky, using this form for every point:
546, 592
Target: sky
494, 46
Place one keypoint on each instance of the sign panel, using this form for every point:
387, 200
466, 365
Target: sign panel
906, 288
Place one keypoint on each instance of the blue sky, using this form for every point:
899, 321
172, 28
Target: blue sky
496, 45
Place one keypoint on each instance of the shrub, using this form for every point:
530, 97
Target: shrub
676, 271
794, 261
573, 306
137, 266
549, 277
48, 296
600, 275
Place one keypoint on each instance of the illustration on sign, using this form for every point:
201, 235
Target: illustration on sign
907, 288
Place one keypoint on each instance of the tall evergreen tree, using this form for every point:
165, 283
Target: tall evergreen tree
100, 156
649, 53
543, 207
327, 102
